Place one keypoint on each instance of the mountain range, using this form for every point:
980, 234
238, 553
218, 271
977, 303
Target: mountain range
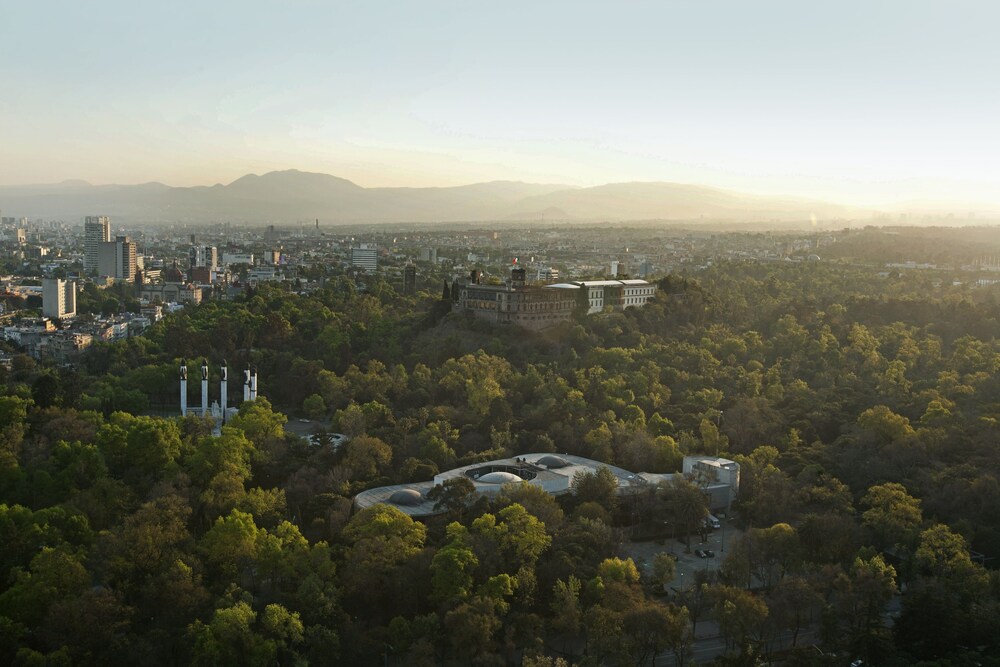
295, 196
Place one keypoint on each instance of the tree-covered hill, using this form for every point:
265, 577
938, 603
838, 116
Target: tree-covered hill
864, 412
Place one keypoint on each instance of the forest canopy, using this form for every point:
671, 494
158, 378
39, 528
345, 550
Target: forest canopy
862, 408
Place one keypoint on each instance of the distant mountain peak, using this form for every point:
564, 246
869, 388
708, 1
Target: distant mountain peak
293, 176
291, 195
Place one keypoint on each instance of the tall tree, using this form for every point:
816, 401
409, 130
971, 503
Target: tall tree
686, 504
893, 515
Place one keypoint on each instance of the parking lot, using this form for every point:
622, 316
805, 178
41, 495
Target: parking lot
687, 563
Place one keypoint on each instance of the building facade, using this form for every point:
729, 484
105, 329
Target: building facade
542, 306
719, 479
365, 257
205, 256
117, 259
63, 346
514, 302
96, 230
58, 298
171, 293
547, 274
616, 294
230, 258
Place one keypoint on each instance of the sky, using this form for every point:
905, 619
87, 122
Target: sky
856, 102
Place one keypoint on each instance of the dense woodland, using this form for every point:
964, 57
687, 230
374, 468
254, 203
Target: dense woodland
864, 411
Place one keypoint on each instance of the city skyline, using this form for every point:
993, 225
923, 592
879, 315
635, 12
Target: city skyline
856, 104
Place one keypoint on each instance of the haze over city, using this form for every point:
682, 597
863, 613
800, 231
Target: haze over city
866, 104
466, 334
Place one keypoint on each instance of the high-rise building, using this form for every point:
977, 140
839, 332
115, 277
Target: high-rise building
409, 279
58, 298
116, 259
96, 230
365, 257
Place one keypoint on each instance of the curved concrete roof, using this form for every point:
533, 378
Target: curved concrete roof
551, 461
409, 497
500, 477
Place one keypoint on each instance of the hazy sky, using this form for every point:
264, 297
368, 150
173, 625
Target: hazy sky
866, 102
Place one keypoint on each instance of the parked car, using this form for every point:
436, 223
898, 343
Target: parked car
709, 553
700, 554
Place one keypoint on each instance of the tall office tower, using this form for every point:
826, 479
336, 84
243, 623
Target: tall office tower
96, 230
116, 259
409, 279
58, 298
365, 257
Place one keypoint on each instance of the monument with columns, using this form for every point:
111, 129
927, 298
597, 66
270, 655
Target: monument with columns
219, 410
